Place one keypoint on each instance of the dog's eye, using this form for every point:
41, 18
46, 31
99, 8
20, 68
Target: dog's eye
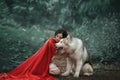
61, 41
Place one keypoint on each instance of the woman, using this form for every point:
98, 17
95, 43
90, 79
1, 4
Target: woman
37, 66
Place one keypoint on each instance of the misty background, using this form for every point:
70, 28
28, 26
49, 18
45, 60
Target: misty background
26, 24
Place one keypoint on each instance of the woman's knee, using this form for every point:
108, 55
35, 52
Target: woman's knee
54, 69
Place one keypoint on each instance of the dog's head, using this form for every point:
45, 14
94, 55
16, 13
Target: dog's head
64, 42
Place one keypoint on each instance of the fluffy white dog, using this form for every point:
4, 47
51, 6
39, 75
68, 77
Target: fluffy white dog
76, 56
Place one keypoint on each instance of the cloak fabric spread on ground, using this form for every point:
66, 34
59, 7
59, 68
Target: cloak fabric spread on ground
36, 67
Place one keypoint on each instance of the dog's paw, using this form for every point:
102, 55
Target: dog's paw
88, 74
76, 75
65, 74
71, 72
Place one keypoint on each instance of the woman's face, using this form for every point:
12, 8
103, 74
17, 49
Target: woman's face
58, 37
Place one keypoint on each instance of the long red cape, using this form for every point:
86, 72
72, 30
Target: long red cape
36, 67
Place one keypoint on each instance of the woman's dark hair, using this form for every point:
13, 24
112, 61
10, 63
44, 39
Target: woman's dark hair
64, 32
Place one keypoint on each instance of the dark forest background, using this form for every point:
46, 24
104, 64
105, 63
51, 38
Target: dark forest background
26, 24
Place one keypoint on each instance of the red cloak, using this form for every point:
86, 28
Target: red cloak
36, 67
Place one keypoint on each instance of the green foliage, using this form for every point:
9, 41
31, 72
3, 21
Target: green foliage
3, 10
94, 5
101, 36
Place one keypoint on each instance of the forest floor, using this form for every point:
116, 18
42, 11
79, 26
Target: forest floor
99, 73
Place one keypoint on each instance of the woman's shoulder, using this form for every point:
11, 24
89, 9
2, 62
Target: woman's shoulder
51, 39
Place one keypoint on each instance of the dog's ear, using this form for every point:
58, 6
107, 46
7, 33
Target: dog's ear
69, 37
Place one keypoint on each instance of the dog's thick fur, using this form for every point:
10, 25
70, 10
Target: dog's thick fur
76, 56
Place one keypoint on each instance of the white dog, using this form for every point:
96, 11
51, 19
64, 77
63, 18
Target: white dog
76, 56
